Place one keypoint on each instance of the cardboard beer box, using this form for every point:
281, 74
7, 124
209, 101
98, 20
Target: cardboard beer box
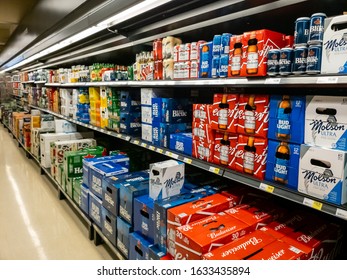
161, 132
130, 101
123, 237
242, 248
71, 184
109, 225
282, 164
171, 110
326, 122
224, 149
95, 206
146, 132
146, 114
81, 197
255, 47
202, 236
203, 132
144, 217
202, 113
64, 126
203, 151
253, 115
225, 112
182, 143
148, 93
251, 155
235, 56
139, 247
322, 174
286, 118
334, 53
166, 179
156, 254
130, 123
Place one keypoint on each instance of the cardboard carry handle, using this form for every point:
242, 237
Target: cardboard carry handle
320, 163
326, 111
144, 213
138, 250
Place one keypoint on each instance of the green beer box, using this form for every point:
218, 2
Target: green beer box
73, 166
72, 184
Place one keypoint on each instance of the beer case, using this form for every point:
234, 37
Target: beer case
202, 113
81, 197
130, 123
144, 217
203, 132
205, 67
250, 161
138, 247
146, 114
130, 101
334, 56
200, 237
161, 132
171, 110
257, 61
322, 174
109, 225
242, 248
146, 132
253, 119
224, 149
283, 167
225, 112
182, 143
235, 61
286, 123
156, 254
326, 122
123, 237
203, 151
95, 208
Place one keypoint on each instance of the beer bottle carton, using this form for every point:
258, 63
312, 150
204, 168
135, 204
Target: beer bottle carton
282, 164
109, 225
130, 123
144, 217
286, 118
182, 143
224, 149
206, 56
161, 132
224, 112
202, 113
202, 150
146, 132
253, 115
256, 45
203, 132
171, 110
251, 155
156, 254
95, 206
326, 122
322, 174
235, 56
123, 236
139, 247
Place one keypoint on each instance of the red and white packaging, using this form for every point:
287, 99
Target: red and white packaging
202, 150
255, 59
253, 115
157, 50
198, 238
195, 50
278, 250
194, 69
235, 56
193, 211
224, 148
251, 158
224, 112
242, 248
203, 132
176, 50
202, 113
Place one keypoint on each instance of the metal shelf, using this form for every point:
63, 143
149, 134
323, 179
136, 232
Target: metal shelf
28, 82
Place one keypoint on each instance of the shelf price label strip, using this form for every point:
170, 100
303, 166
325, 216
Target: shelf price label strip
341, 213
266, 187
214, 170
312, 203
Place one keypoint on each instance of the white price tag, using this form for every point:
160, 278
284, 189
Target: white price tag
187, 160
127, 138
144, 145
136, 142
272, 81
312, 203
119, 135
266, 187
102, 130
214, 170
109, 132
152, 148
327, 80
160, 151
341, 213
170, 154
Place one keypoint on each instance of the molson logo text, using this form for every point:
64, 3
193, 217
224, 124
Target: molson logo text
336, 45
318, 179
320, 127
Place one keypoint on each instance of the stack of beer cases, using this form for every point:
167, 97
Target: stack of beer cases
220, 55
83, 106
169, 116
130, 112
66, 101
94, 111
182, 142
104, 116
113, 108
146, 113
286, 134
323, 157
169, 45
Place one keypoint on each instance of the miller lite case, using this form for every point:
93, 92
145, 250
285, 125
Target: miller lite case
322, 174
253, 115
334, 55
250, 156
224, 112
287, 115
326, 122
224, 149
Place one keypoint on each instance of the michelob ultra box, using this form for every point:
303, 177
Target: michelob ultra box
287, 115
202, 113
224, 112
334, 52
182, 143
326, 122
322, 173
251, 155
253, 115
171, 110
224, 149
166, 179
282, 164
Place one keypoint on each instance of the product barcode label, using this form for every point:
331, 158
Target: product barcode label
214, 170
327, 80
272, 81
266, 187
144, 145
312, 203
170, 154
341, 213
187, 160
152, 148
160, 151
136, 142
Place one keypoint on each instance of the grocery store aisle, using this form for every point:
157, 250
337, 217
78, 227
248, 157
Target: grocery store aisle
34, 223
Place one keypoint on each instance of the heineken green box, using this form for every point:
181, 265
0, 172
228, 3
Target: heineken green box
73, 183
73, 165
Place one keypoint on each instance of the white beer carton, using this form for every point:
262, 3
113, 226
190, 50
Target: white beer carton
322, 173
166, 179
334, 49
326, 122
146, 114
146, 132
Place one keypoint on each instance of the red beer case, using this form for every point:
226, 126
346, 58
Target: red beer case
235, 56
202, 150
203, 132
224, 148
202, 113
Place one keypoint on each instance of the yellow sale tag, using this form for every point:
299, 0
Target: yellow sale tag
152, 148
266, 187
214, 170
317, 205
136, 142
144, 145
160, 151
187, 160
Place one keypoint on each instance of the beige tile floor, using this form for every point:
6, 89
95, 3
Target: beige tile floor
34, 223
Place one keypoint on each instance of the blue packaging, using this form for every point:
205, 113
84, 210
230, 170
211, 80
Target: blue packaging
286, 61
128, 191
130, 101
161, 132
215, 66
138, 247
205, 60
160, 211
300, 59
95, 206
155, 253
302, 29
109, 225
84, 202
216, 45
130, 123
103, 169
225, 44
282, 164
182, 143
273, 62
123, 234
287, 123
314, 59
144, 216
223, 65
171, 110
111, 186
316, 32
